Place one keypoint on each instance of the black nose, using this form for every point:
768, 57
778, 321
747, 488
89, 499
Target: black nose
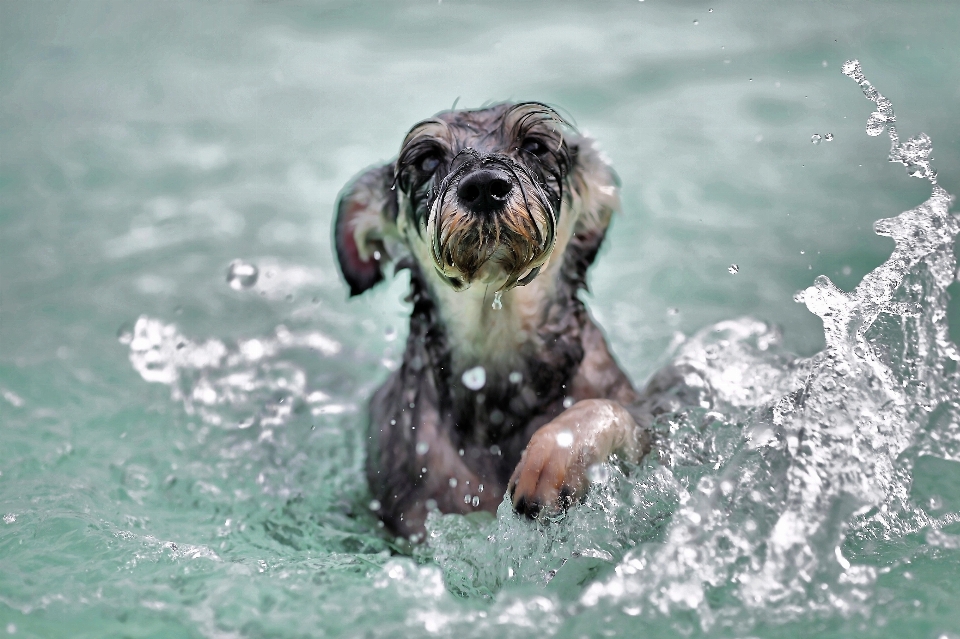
485, 190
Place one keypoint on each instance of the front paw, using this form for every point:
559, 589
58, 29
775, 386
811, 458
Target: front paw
551, 475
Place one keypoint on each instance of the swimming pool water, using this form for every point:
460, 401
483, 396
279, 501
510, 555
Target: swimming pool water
183, 457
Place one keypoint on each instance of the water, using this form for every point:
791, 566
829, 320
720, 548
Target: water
182, 380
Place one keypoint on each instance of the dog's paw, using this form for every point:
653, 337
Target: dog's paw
551, 475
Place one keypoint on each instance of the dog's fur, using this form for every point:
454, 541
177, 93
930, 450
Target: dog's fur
554, 400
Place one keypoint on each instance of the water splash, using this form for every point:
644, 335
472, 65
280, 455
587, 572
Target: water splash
915, 152
240, 386
497, 301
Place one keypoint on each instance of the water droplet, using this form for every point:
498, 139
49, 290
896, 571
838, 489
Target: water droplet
453, 482
850, 68
422, 448
374, 505
598, 473
696, 22
125, 334
568, 402
828, 137
474, 378
709, 10
876, 123
824, 64
815, 138
516, 377
564, 439
241, 275
475, 501
261, 565
390, 333
733, 269
497, 301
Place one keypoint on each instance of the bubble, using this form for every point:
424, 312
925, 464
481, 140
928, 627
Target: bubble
390, 333
374, 505
261, 565
474, 378
453, 482
828, 137
564, 439
9, 518
11, 628
497, 301
823, 64
241, 275
422, 448
733, 269
515, 377
815, 138
568, 402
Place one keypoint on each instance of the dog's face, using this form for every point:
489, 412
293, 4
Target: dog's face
475, 196
483, 190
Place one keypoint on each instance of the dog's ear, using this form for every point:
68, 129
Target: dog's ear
595, 185
366, 215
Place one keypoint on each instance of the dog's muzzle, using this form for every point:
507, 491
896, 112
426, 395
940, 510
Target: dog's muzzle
491, 221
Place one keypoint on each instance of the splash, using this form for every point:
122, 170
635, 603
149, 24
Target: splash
243, 385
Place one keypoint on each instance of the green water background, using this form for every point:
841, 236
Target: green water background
145, 146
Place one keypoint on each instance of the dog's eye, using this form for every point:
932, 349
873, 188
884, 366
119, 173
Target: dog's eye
533, 146
428, 164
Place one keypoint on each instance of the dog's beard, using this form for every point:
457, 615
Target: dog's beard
506, 248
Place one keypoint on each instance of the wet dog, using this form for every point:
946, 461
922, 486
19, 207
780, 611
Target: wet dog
506, 383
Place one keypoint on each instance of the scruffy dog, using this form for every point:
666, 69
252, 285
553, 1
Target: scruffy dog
506, 382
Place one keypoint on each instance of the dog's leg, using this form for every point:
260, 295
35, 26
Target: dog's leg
552, 471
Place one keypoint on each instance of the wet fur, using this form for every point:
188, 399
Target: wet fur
544, 332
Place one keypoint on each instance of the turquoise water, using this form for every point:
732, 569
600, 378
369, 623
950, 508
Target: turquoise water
182, 458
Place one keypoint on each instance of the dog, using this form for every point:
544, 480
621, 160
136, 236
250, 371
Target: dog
506, 383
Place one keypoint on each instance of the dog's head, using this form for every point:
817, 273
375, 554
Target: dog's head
475, 195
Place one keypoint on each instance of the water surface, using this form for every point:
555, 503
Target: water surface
180, 457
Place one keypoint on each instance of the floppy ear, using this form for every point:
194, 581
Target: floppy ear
366, 214
595, 187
